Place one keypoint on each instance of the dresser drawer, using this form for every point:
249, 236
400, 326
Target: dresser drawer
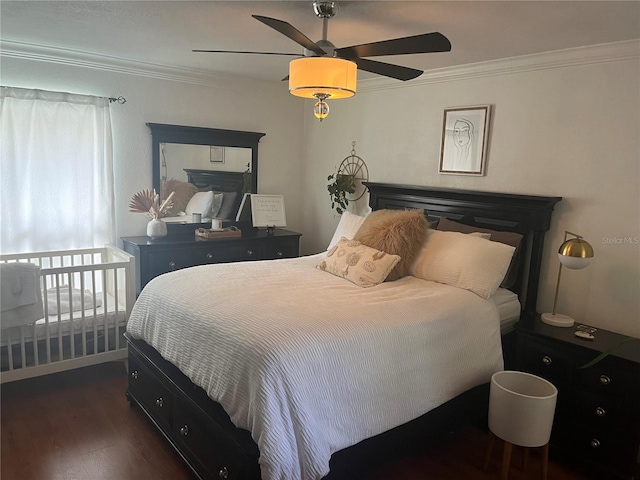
610, 376
604, 413
193, 433
163, 261
150, 393
223, 253
282, 248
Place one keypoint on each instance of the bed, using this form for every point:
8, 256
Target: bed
372, 356
75, 306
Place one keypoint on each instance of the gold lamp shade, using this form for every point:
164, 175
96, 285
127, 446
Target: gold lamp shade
313, 76
574, 253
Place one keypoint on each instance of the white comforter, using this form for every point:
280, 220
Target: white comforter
310, 363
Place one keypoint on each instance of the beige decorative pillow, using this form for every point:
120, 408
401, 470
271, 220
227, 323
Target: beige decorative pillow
358, 263
183, 191
463, 261
397, 232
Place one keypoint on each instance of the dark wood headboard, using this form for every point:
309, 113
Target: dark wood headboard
528, 215
218, 180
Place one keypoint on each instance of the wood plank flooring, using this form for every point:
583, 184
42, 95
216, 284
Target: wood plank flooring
78, 425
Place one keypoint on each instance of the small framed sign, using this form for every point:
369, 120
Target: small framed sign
464, 140
268, 211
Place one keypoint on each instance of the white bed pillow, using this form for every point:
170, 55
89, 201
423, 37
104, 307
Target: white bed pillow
347, 227
201, 203
464, 261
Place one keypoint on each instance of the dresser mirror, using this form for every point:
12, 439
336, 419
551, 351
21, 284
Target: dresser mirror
210, 158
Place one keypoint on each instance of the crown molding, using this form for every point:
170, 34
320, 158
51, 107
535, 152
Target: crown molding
595, 54
77, 58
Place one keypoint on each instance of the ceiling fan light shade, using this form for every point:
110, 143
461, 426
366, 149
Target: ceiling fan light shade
313, 76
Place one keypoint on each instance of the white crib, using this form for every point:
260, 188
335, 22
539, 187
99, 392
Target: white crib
98, 287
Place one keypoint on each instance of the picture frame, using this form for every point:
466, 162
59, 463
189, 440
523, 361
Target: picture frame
268, 211
217, 155
465, 135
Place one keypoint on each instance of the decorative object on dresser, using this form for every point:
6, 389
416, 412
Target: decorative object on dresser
173, 252
576, 254
521, 410
597, 419
465, 136
149, 203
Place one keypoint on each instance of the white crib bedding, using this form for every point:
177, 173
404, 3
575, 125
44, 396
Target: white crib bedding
308, 362
80, 319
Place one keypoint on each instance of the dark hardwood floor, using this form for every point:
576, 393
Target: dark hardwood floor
79, 425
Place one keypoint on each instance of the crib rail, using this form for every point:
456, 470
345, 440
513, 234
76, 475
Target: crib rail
87, 298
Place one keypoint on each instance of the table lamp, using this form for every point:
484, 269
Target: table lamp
575, 253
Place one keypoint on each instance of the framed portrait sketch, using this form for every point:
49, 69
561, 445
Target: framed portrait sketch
217, 155
465, 132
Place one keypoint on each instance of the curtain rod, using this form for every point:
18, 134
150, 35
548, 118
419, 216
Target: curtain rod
120, 99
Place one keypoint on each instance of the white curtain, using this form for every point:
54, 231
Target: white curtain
56, 171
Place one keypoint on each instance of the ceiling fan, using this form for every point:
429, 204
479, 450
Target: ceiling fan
345, 59
424, 43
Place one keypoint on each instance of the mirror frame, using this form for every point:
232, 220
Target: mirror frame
165, 133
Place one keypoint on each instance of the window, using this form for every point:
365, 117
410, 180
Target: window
56, 171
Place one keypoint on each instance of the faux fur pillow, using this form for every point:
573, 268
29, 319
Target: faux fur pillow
396, 232
183, 191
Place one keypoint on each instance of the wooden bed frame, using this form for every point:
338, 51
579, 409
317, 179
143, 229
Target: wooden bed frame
202, 433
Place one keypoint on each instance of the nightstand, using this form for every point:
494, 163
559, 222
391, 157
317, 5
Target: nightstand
597, 417
155, 257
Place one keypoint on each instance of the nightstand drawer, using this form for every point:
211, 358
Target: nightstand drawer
602, 412
610, 377
541, 359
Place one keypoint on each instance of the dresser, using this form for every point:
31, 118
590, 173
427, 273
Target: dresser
597, 417
155, 257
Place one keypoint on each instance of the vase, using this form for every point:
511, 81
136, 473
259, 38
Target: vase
156, 229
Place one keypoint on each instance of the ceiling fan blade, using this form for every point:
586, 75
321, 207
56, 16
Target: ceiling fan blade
292, 32
425, 43
252, 53
388, 70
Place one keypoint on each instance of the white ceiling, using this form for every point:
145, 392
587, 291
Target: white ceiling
165, 32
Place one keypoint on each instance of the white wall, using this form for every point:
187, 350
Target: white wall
565, 124
234, 104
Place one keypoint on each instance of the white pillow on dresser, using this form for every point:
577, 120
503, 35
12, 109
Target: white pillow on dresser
463, 261
348, 226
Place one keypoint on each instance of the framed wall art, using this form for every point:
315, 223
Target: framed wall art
465, 134
217, 155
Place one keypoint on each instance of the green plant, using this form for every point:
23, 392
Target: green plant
339, 186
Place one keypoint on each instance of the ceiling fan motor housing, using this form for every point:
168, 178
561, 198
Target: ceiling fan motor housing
325, 9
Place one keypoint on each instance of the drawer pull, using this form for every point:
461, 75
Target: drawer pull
279, 254
224, 473
600, 412
159, 402
172, 265
604, 380
249, 253
134, 374
209, 256
184, 430
546, 360
595, 443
